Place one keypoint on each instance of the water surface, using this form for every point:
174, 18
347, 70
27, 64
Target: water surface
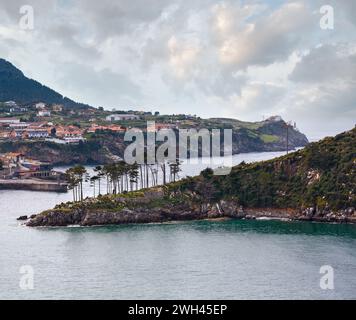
195, 260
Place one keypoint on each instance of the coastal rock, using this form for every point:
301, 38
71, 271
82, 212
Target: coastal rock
22, 218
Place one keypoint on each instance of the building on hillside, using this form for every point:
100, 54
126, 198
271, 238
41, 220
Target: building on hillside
57, 108
274, 119
4, 134
74, 140
12, 159
15, 134
114, 128
44, 113
10, 104
9, 120
19, 126
122, 117
68, 132
18, 109
40, 106
16, 165
35, 133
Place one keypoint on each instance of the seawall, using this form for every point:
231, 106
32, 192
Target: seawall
33, 185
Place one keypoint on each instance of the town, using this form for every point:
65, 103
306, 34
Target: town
61, 125
18, 172
54, 123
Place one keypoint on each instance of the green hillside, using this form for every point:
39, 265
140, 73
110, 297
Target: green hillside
323, 174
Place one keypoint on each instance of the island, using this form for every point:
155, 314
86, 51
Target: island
317, 183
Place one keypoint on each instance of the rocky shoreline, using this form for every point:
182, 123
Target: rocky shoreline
139, 211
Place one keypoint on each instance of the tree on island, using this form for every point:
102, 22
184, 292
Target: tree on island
75, 177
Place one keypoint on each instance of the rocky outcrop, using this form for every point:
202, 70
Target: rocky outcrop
136, 211
104, 217
151, 206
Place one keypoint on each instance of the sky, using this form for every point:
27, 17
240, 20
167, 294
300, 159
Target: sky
237, 59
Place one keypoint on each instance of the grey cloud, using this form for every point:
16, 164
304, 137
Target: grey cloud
68, 36
327, 63
268, 39
107, 18
101, 88
41, 8
116, 53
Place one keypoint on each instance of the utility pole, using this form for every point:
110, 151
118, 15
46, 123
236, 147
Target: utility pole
287, 140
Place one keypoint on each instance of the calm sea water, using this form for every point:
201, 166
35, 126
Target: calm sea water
195, 260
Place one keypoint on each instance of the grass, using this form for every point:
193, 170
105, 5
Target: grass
268, 138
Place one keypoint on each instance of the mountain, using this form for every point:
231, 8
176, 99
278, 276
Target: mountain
15, 86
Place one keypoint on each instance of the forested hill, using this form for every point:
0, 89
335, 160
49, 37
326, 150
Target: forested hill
15, 86
322, 176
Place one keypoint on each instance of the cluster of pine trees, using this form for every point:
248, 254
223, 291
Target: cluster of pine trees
121, 177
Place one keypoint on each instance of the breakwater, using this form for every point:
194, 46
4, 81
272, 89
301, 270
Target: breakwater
34, 185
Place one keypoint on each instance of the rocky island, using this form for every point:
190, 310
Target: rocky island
317, 183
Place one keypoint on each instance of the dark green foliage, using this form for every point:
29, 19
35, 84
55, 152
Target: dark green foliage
15, 86
323, 174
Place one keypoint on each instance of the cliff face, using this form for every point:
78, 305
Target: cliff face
91, 152
106, 147
268, 135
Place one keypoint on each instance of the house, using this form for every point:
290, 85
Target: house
18, 109
274, 119
36, 133
12, 159
14, 134
114, 128
69, 132
9, 120
57, 108
44, 113
74, 140
13, 107
40, 105
122, 117
11, 104
19, 126
4, 134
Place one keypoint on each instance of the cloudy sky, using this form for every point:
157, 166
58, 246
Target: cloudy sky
240, 59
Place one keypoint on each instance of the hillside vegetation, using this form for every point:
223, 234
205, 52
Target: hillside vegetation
322, 175
15, 86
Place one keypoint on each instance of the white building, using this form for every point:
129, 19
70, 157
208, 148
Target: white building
19, 126
274, 119
9, 120
44, 113
37, 133
10, 104
121, 117
40, 105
